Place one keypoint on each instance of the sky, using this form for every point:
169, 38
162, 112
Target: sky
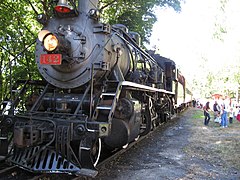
187, 37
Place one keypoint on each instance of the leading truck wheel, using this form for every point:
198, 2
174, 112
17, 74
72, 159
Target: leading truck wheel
90, 154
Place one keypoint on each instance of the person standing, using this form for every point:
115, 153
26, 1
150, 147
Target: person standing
206, 110
236, 111
194, 102
223, 117
216, 109
231, 114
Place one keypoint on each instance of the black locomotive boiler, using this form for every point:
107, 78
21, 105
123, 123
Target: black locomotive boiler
100, 91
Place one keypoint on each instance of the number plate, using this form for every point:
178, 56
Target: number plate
51, 59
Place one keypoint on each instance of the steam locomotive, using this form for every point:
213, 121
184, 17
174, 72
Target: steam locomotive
100, 91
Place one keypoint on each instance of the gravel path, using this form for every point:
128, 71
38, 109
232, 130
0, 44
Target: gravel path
177, 150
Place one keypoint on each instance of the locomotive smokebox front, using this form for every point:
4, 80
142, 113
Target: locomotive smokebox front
70, 51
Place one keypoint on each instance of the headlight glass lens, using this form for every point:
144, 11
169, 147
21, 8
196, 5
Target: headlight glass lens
50, 42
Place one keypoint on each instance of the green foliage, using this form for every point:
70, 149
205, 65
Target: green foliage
137, 15
220, 26
17, 31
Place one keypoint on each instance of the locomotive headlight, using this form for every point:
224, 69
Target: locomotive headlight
42, 34
50, 42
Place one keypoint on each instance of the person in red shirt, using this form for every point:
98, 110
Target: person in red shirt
206, 110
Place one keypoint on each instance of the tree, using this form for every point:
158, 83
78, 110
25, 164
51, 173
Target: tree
137, 15
18, 34
221, 54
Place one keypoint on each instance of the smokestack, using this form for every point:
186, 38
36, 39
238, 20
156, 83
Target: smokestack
85, 5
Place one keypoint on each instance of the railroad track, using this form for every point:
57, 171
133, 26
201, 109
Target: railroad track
7, 171
13, 172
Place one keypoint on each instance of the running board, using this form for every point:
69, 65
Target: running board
144, 87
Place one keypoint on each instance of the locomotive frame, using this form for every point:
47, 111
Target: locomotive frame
100, 91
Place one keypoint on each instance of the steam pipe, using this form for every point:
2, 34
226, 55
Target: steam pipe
85, 5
